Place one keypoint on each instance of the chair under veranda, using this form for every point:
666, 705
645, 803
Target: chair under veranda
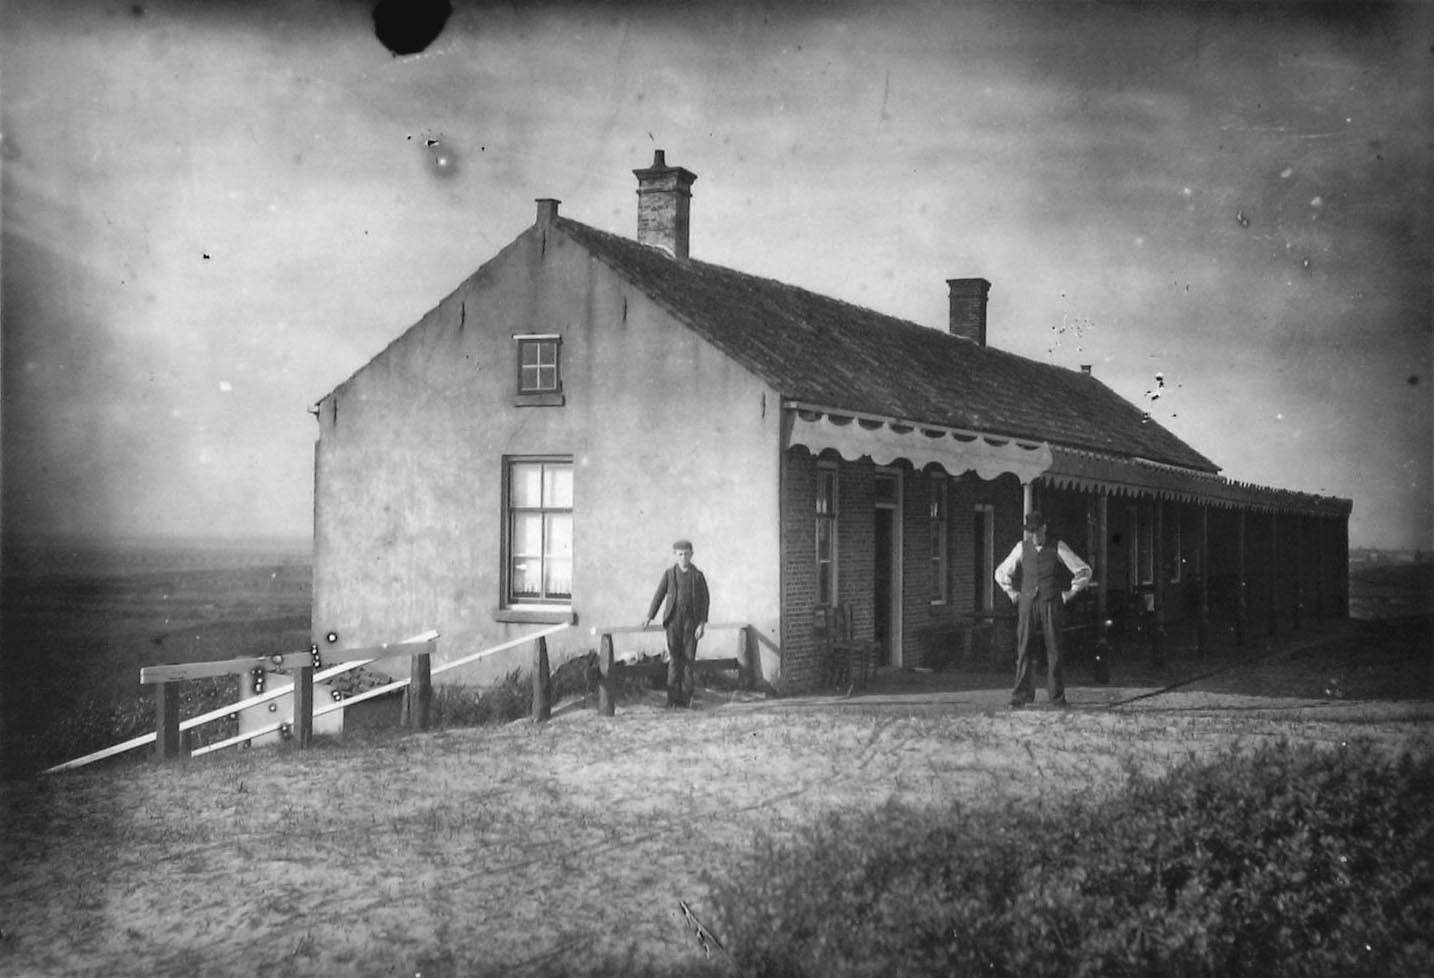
849, 661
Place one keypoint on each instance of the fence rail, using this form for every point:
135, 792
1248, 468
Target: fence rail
203, 718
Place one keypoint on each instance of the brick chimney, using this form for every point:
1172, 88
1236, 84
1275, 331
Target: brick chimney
664, 204
968, 308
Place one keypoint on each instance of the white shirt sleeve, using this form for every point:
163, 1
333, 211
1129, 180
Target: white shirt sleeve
1007, 570
1080, 570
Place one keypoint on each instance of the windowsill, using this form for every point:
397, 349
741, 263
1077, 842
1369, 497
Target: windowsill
536, 616
553, 399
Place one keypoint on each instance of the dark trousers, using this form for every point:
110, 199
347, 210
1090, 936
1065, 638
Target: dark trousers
681, 654
1048, 616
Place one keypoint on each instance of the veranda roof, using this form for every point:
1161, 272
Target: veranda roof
1093, 472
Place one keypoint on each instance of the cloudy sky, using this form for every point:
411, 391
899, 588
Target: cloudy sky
214, 213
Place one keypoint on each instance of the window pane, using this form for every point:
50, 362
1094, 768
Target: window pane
824, 540
826, 492
558, 579
824, 584
558, 487
525, 578
527, 535
559, 542
527, 482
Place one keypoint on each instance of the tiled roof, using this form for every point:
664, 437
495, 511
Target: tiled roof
820, 350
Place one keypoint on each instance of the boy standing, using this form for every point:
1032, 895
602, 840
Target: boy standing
684, 589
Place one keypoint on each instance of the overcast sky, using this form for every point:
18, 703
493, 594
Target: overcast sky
214, 214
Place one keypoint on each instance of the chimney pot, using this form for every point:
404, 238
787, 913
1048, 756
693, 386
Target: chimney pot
968, 308
664, 205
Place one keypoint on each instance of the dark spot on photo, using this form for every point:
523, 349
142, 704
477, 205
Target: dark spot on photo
409, 26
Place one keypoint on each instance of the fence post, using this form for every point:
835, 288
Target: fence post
747, 657
606, 698
166, 721
418, 697
304, 707
542, 682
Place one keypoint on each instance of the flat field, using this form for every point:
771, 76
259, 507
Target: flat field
81, 619
520, 848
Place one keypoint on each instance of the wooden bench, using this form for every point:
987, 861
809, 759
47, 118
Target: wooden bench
612, 670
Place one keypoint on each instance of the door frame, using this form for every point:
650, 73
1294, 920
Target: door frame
893, 641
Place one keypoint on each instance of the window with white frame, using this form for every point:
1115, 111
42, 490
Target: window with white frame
540, 375
538, 512
940, 530
826, 533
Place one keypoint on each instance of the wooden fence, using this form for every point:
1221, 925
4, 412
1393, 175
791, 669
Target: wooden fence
315, 666
311, 666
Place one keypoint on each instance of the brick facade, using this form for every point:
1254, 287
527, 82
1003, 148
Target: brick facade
926, 627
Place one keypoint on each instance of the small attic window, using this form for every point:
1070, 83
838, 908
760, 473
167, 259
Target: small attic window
540, 376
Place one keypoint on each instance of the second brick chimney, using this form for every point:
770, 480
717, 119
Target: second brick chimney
664, 205
968, 308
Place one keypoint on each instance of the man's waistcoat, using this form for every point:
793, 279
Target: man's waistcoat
1041, 570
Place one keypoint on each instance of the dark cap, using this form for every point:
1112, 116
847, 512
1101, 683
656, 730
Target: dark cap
682, 545
1034, 520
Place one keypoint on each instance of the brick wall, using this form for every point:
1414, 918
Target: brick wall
801, 668
929, 636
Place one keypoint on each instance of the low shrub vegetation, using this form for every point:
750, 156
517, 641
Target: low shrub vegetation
1281, 861
97, 721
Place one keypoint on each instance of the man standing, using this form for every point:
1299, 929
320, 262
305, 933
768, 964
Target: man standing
1040, 604
684, 588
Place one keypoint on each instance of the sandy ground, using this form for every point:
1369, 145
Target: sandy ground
509, 848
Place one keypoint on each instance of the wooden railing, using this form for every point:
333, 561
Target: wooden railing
312, 666
419, 649
613, 670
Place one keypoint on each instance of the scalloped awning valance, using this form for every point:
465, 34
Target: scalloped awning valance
1092, 472
886, 440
